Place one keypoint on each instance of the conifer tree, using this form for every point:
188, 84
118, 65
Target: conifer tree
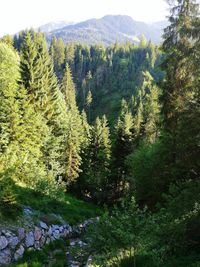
123, 145
57, 52
179, 86
9, 108
88, 103
68, 89
41, 83
23, 128
74, 133
146, 109
99, 159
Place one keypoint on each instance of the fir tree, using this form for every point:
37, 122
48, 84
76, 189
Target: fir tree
99, 159
178, 89
74, 133
123, 145
9, 108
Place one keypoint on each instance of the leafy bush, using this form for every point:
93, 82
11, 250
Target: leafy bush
117, 233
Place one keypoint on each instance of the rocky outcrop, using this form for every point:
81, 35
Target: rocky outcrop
14, 243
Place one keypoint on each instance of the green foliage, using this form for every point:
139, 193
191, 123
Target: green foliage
57, 51
8, 198
122, 147
117, 234
70, 208
74, 138
9, 117
147, 173
110, 74
96, 165
151, 153
46, 256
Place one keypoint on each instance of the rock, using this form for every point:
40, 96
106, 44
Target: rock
3, 242
37, 233
75, 264
21, 233
13, 241
56, 234
28, 211
50, 231
82, 244
61, 228
42, 241
8, 234
55, 227
48, 240
19, 253
68, 256
72, 243
5, 257
66, 226
65, 233
37, 245
43, 225
89, 261
29, 241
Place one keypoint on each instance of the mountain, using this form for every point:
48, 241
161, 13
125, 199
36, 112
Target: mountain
51, 26
108, 30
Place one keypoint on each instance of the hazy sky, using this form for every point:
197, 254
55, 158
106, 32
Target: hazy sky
20, 14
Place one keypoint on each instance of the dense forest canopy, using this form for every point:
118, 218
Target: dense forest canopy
116, 125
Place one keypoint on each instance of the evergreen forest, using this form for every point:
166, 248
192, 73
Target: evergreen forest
114, 130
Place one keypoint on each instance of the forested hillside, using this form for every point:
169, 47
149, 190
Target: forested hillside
118, 126
108, 30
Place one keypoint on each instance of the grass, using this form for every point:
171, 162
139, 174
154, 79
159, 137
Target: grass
148, 261
68, 207
51, 255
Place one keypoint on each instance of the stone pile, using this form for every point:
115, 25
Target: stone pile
14, 243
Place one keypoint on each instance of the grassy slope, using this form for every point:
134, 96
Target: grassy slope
70, 208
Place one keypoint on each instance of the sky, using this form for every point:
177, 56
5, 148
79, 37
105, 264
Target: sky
17, 15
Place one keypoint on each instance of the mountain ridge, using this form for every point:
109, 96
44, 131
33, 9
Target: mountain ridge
107, 30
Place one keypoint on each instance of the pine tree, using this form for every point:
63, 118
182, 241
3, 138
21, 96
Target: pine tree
178, 89
57, 52
31, 136
146, 109
123, 145
68, 89
99, 160
41, 83
9, 108
74, 133
88, 103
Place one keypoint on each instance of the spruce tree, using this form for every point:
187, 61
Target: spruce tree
74, 133
43, 92
146, 109
179, 46
122, 147
57, 52
9, 107
99, 160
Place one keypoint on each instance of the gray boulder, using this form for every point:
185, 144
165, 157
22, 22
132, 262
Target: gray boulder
30, 239
56, 234
3, 242
21, 233
37, 233
5, 257
19, 253
43, 225
13, 241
